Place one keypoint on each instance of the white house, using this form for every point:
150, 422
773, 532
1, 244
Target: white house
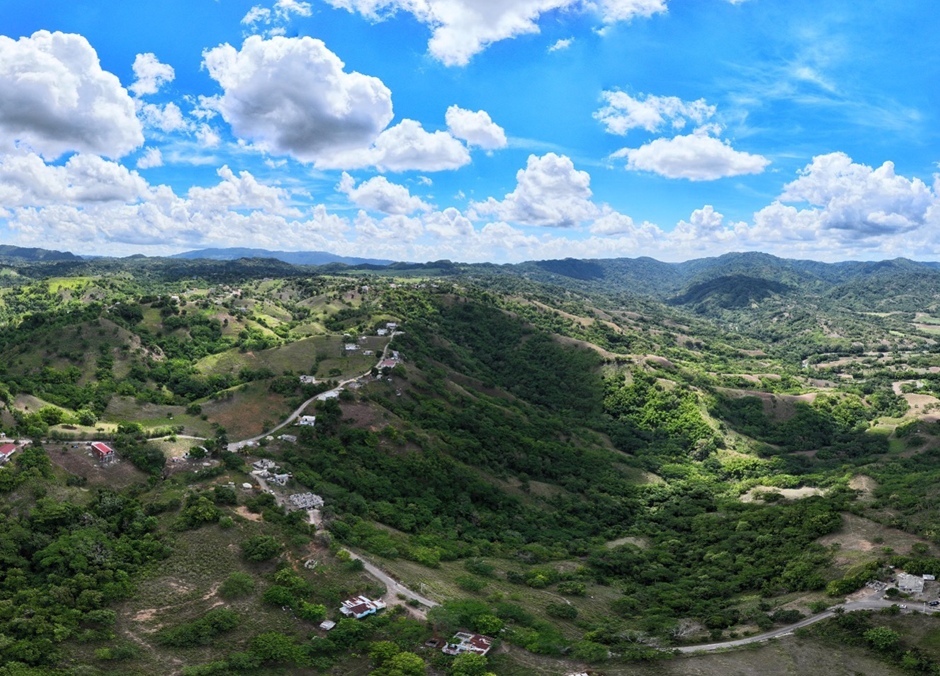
360, 606
307, 420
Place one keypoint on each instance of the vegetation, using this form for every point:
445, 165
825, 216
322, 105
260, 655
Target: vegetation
588, 460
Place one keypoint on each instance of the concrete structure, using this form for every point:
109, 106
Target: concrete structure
305, 501
326, 625
307, 420
351, 347
332, 394
464, 642
289, 438
308, 380
264, 465
913, 584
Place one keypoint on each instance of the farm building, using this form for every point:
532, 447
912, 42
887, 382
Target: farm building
6, 451
103, 452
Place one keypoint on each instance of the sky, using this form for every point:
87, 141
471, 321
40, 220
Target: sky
473, 130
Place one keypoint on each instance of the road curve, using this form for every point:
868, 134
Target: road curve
237, 445
851, 606
394, 587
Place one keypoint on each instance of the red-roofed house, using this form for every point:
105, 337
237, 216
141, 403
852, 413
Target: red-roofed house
360, 606
102, 451
6, 450
464, 642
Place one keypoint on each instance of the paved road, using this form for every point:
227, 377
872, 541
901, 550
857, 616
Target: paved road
236, 445
394, 587
851, 606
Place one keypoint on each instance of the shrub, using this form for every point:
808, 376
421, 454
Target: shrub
237, 585
260, 548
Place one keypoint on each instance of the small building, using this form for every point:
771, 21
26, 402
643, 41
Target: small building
290, 438
360, 606
391, 326
332, 394
388, 363
307, 421
381, 332
351, 347
326, 625
280, 479
929, 578
913, 584
6, 451
103, 452
308, 380
368, 353
464, 642
264, 464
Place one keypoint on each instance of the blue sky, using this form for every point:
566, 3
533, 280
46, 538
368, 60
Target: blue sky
475, 130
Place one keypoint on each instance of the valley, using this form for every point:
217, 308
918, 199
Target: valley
606, 466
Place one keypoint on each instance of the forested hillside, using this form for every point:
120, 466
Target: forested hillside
592, 462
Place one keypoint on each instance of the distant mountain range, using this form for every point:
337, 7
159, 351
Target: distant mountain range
9, 251
292, 257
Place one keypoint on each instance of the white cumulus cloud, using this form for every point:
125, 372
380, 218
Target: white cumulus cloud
379, 194
27, 181
696, 157
476, 128
55, 98
461, 29
854, 198
151, 158
151, 74
623, 112
549, 192
293, 96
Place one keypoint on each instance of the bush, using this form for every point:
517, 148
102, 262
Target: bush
562, 611
201, 631
260, 548
237, 585
470, 583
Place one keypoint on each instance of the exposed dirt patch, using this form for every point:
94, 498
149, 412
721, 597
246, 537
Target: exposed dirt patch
787, 493
145, 615
251, 516
865, 485
864, 536
919, 402
642, 543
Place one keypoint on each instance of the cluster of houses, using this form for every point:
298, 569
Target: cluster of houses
268, 470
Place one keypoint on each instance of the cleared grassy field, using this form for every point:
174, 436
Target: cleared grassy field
440, 584
244, 411
784, 657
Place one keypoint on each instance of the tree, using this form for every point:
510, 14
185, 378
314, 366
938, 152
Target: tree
882, 639
402, 664
237, 585
469, 664
260, 548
